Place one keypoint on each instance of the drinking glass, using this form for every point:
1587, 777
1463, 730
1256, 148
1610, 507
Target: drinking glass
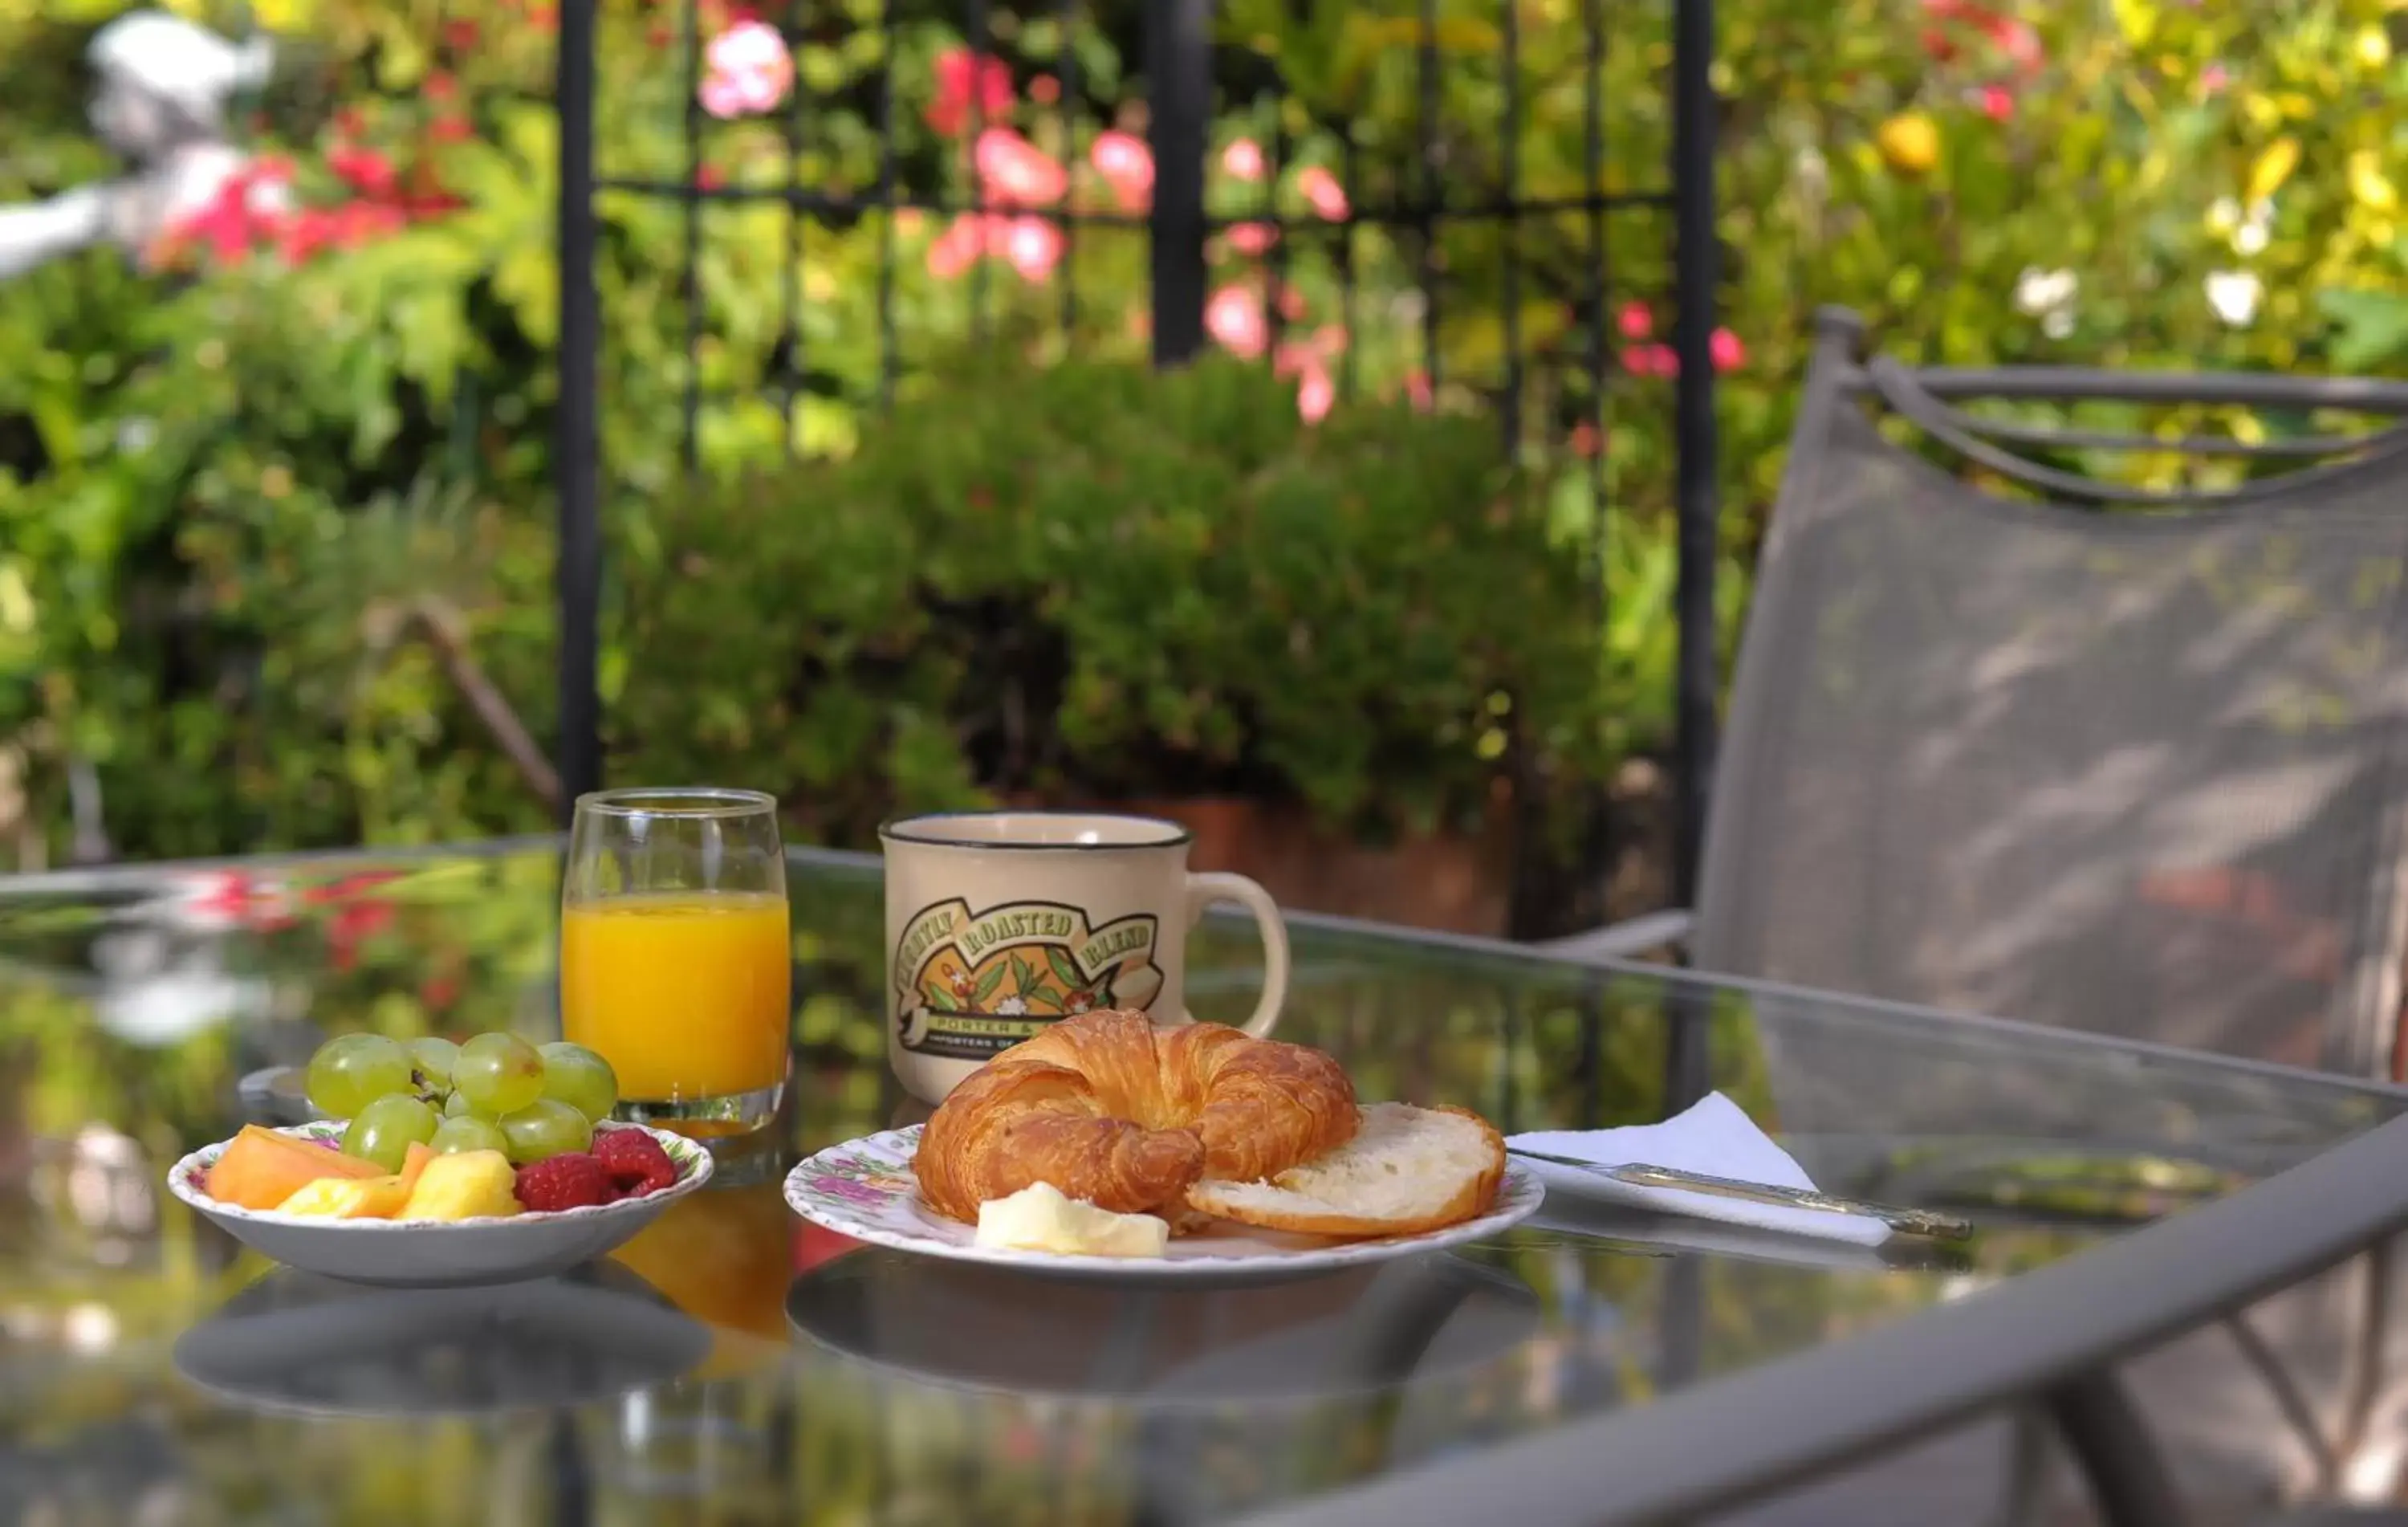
675, 953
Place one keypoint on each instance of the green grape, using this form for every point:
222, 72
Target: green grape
386, 1129
352, 1071
433, 1056
546, 1128
497, 1074
455, 1105
576, 1077
467, 1132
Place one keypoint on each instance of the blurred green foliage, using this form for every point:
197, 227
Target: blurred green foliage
266, 527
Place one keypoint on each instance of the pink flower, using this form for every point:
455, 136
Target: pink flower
1322, 193
364, 169
1635, 321
1996, 103
960, 79
1234, 318
1313, 352
1017, 172
1650, 361
749, 71
1033, 245
1314, 393
2213, 78
1252, 237
1126, 166
1584, 439
1419, 391
1291, 303
1243, 159
1728, 352
951, 253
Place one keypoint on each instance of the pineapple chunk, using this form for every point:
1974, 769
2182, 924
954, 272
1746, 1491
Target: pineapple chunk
468, 1185
349, 1198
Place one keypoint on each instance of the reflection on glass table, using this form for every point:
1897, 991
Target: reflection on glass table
144, 1356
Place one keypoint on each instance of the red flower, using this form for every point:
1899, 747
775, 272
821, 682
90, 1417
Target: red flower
1045, 90
1017, 172
449, 129
1235, 320
1033, 245
460, 35
1322, 193
1996, 103
364, 170
954, 252
354, 924
1126, 166
961, 79
1635, 321
1252, 237
1419, 391
1650, 361
1728, 353
440, 86
1584, 441
1243, 160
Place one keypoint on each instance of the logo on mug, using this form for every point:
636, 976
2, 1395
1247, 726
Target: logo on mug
969, 985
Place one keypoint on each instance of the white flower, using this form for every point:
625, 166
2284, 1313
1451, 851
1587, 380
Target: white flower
2039, 291
1012, 1007
2224, 215
2249, 238
2059, 323
2233, 295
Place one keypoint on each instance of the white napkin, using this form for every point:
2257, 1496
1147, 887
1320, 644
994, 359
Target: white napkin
1714, 1138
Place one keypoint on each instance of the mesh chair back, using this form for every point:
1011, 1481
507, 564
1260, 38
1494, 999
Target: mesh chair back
2134, 772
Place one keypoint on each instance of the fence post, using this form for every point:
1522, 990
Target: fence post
1179, 115
1696, 274
577, 446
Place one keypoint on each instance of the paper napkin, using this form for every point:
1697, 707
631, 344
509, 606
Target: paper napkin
1714, 1138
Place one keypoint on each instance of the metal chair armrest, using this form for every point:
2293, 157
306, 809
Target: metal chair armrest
1632, 937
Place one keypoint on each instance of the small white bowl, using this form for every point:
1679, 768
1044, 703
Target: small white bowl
438, 1253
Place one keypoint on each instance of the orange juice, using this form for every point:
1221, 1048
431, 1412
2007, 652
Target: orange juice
684, 993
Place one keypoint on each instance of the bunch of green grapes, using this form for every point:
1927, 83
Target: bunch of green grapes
494, 1092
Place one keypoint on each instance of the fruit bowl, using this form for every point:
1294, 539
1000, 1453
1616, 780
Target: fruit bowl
438, 1254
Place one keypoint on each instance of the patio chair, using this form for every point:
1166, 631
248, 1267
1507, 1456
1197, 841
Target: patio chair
2103, 759
2142, 773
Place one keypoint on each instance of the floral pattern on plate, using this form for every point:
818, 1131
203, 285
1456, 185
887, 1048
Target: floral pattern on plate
864, 1189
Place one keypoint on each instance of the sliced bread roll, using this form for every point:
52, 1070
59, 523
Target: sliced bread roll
1407, 1171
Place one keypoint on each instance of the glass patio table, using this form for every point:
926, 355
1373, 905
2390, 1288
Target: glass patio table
735, 1364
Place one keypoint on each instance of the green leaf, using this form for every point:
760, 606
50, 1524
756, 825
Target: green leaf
1063, 971
985, 987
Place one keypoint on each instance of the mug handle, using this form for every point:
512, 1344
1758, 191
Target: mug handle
1205, 889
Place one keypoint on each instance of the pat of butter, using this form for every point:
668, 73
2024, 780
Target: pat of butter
1040, 1217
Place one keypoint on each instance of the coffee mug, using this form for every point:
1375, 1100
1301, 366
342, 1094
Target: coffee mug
999, 923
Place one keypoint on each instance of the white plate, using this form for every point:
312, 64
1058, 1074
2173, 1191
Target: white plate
438, 1254
865, 1188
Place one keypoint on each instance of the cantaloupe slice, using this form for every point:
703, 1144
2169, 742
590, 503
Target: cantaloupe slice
414, 1162
262, 1169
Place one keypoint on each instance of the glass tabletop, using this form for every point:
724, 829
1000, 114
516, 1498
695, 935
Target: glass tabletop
735, 1363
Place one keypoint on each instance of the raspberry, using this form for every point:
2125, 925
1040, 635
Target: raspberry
570, 1181
635, 1160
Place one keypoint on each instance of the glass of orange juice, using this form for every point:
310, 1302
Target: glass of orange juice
675, 953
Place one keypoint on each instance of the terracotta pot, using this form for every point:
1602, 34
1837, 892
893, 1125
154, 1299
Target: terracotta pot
1460, 882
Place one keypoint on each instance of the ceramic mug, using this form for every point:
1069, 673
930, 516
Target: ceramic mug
999, 923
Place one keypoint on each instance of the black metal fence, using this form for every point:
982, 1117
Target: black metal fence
1410, 192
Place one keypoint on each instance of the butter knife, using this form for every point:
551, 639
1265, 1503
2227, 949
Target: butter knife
1640, 1175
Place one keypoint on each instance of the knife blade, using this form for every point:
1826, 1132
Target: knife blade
1643, 1175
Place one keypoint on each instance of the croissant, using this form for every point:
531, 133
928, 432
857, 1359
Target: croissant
1113, 1109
